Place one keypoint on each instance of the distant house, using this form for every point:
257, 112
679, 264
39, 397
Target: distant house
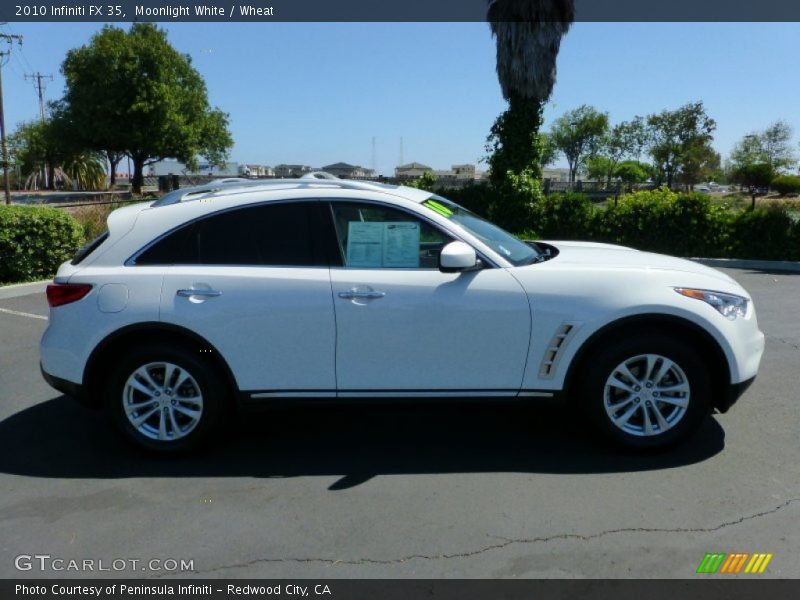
348, 171
443, 176
289, 171
412, 170
174, 167
555, 174
464, 171
256, 171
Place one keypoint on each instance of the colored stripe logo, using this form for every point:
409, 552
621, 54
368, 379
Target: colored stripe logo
734, 563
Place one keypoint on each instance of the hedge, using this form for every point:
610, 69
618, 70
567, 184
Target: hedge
659, 221
34, 240
786, 184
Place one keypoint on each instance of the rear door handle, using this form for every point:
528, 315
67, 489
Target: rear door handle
201, 292
353, 294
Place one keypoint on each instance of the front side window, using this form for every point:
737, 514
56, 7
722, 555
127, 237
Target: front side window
263, 235
377, 237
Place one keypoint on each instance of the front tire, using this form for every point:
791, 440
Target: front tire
165, 400
650, 392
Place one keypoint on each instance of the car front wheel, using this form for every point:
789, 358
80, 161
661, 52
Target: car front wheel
650, 392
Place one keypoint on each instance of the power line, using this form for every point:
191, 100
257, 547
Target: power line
9, 38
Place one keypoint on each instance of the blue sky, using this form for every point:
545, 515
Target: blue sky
316, 93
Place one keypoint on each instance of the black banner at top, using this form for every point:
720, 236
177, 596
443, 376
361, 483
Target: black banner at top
256, 11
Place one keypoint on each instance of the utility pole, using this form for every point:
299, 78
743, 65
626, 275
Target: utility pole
401, 150
373, 153
38, 82
9, 39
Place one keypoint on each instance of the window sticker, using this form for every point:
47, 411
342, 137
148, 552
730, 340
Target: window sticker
364, 244
401, 245
383, 244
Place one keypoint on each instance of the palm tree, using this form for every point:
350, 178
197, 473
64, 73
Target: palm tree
87, 169
528, 34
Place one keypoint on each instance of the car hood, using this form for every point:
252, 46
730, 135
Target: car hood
609, 256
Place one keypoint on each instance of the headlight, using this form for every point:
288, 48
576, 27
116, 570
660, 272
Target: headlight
729, 306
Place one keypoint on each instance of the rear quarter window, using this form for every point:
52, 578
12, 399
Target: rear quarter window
262, 235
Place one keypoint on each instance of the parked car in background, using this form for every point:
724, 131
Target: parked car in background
234, 294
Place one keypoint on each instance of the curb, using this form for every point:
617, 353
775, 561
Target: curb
23, 289
787, 266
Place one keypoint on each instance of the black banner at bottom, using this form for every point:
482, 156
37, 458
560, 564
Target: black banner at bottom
408, 589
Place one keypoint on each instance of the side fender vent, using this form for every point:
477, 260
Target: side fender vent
554, 349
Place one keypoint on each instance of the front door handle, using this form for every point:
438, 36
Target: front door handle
361, 294
198, 292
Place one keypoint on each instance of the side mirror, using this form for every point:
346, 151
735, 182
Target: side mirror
457, 256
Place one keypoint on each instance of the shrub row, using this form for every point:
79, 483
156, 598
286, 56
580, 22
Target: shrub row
34, 241
657, 220
786, 184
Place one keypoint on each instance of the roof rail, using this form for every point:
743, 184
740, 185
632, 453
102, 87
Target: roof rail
309, 180
319, 175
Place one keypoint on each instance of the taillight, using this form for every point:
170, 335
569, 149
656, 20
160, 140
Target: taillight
64, 293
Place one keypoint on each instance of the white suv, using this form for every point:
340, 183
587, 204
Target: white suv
238, 293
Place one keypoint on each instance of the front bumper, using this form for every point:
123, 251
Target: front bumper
731, 393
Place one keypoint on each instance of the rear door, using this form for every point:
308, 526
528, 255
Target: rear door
254, 283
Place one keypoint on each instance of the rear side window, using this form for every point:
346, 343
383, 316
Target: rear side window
87, 249
273, 234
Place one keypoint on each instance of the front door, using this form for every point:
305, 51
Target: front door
405, 328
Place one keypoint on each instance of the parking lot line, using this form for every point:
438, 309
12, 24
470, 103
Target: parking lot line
22, 314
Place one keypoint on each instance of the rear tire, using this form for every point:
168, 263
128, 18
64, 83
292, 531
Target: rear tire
166, 400
649, 392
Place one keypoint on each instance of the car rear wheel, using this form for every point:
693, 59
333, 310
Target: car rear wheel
650, 392
165, 400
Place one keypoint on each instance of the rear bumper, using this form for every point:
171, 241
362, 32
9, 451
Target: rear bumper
68, 388
732, 393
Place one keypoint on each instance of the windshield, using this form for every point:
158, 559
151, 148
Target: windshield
506, 245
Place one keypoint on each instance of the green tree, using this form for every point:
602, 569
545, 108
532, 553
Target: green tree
776, 145
786, 184
754, 176
700, 163
771, 146
549, 152
676, 135
578, 134
38, 149
631, 172
624, 139
86, 169
426, 181
599, 168
133, 93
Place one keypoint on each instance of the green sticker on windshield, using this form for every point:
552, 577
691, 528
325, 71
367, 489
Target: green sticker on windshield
439, 208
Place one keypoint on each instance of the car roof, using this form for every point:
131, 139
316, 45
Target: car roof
225, 188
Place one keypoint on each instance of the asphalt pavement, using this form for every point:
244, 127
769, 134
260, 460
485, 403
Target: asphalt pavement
445, 490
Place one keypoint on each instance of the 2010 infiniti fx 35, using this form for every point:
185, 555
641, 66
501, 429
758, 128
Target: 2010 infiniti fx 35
238, 293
